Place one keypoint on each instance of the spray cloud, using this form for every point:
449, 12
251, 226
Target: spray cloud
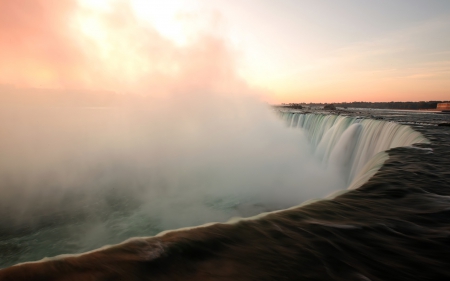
117, 131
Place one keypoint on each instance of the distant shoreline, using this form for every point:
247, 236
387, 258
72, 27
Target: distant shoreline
415, 106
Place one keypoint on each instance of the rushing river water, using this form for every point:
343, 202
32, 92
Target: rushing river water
391, 225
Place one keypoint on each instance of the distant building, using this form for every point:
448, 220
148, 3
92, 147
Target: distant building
445, 106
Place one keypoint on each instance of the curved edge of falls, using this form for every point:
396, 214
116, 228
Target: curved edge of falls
356, 146
353, 145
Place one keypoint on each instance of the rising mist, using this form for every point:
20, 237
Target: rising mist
130, 135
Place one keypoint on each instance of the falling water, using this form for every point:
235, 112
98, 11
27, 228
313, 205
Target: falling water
354, 146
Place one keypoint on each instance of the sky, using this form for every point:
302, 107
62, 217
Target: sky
280, 51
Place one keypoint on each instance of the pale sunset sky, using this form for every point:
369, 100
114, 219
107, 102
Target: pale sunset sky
286, 50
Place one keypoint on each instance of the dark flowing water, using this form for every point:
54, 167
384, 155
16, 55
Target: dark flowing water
396, 226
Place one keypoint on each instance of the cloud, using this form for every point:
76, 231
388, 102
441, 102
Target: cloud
67, 45
37, 42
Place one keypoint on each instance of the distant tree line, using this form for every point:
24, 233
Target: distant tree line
392, 105
292, 105
380, 105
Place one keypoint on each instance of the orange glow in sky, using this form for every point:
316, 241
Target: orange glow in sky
287, 51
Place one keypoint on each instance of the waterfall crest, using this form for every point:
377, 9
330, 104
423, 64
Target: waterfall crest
352, 144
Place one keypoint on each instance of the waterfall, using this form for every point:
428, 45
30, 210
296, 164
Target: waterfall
355, 146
